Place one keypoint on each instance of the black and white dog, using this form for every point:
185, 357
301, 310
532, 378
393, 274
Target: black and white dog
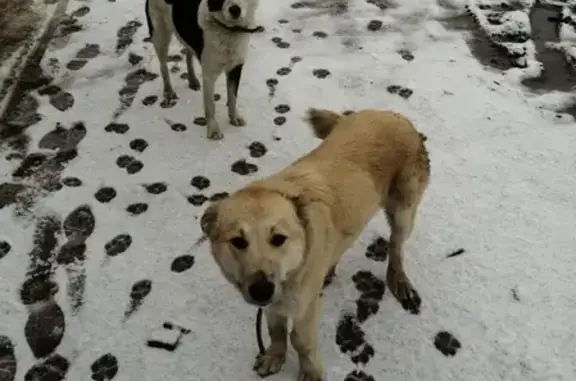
217, 33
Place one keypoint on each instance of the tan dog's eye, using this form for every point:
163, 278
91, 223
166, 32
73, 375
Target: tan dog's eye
278, 240
239, 242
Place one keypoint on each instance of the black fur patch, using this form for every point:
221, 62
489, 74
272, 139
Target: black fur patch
233, 78
215, 5
185, 19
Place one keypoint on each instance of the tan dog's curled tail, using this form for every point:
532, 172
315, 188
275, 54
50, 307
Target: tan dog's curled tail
322, 121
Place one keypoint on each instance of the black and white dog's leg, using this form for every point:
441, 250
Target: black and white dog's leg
161, 40
209, 77
232, 85
193, 81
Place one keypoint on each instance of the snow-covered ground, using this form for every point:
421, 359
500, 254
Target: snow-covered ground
113, 208
567, 31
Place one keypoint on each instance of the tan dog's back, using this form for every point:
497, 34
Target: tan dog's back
359, 160
378, 142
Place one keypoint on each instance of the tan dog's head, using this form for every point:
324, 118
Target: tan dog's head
258, 239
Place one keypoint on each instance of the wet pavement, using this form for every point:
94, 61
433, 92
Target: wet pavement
558, 74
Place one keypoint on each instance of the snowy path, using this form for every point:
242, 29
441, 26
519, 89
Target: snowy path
111, 206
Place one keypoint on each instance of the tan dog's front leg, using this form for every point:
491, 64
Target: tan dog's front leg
271, 362
304, 340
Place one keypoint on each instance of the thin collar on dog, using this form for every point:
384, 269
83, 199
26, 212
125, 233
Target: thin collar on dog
237, 28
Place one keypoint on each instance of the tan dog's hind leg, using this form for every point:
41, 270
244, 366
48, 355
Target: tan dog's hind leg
271, 362
401, 207
304, 340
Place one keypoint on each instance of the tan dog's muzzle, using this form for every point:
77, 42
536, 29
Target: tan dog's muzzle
260, 289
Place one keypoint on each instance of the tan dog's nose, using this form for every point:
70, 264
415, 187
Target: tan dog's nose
261, 289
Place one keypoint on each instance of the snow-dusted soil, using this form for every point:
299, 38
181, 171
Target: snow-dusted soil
537, 40
101, 189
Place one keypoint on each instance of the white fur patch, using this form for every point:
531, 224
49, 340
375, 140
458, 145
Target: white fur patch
291, 260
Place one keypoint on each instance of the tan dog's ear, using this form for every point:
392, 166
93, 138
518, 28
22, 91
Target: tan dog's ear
322, 121
209, 220
300, 208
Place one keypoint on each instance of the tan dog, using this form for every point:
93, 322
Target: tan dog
278, 238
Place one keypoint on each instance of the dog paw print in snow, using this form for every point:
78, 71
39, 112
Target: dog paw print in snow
156, 188
138, 145
447, 344
150, 100
118, 245
119, 128
130, 164
72, 182
404, 92
104, 368
137, 208
200, 121
358, 375
182, 263
54, 368
5, 248
371, 291
257, 149
321, 73
200, 182
243, 168
271, 83
105, 194
350, 338
378, 250
197, 199
139, 292
7, 359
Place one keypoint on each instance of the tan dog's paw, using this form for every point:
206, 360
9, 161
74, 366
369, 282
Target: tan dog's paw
268, 364
310, 373
403, 290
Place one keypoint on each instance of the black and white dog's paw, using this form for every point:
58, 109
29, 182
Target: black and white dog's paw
194, 84
169, 95
213, 131
237, 121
